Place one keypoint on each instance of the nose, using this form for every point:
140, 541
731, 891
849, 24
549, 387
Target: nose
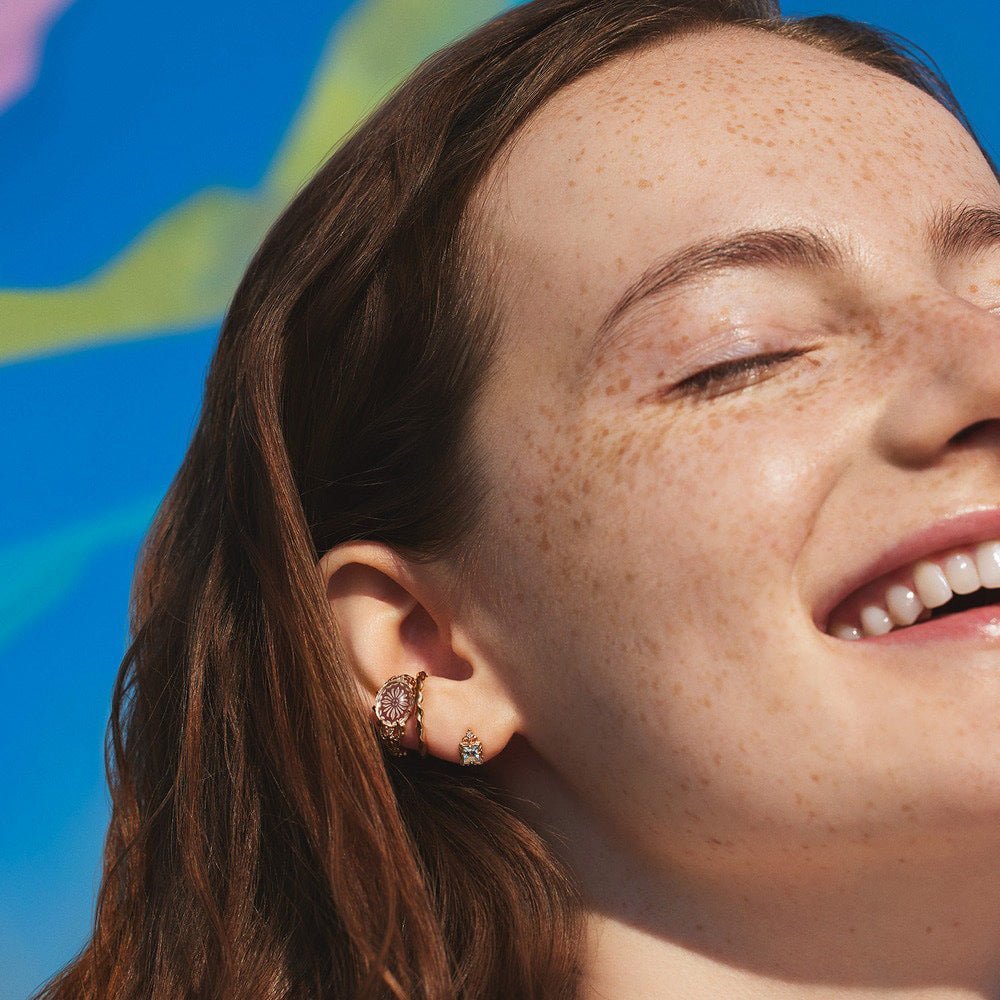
949, 393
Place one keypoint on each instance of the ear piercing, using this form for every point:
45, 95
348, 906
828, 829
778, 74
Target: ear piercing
470, 749
396, 701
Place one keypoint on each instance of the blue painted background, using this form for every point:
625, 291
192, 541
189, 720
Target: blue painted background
136, 108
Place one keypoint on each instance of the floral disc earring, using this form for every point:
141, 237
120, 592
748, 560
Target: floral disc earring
394, 705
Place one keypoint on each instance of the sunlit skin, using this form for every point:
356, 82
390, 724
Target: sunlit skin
756, 799
753, 807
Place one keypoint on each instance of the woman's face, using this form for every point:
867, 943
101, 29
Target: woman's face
659, 553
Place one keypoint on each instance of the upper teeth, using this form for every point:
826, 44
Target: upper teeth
896, 602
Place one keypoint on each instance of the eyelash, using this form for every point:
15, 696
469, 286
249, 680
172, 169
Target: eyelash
731, 373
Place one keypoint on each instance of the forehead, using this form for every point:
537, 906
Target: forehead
707, 133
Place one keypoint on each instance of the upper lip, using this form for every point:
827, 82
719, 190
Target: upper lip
976, 525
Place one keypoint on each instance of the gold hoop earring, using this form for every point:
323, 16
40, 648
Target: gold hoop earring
421, 677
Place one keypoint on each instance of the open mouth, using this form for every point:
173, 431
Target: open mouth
942, 585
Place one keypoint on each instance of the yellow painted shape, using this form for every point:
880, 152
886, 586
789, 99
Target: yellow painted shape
181, 271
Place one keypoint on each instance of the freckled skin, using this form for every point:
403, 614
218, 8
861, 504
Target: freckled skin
816, 805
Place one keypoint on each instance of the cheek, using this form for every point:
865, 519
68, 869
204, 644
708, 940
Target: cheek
694, 517
651, 576
640, 532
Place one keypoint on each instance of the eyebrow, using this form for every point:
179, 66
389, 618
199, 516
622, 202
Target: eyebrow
950, 232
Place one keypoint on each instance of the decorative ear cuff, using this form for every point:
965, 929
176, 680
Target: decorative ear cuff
396, 701
394, 704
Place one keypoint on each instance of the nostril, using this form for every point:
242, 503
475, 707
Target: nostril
981, 432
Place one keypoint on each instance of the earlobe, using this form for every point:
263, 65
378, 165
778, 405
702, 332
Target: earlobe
394, 623
451, 710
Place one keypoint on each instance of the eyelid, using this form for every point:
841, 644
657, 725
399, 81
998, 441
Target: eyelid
734, 370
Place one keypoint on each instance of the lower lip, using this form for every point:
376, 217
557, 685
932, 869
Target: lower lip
976, 623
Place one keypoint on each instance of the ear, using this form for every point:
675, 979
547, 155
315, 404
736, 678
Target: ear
393, 616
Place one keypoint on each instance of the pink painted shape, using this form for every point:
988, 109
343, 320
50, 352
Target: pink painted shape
23, 26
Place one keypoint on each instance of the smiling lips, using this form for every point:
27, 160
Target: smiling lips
907, 595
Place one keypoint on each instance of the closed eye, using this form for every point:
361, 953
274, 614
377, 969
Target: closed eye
730, 374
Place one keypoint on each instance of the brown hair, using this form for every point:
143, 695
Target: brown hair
261, 845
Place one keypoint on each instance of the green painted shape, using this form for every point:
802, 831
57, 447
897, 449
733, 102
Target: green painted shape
379, 44
37, 573
181, 272
178, 275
